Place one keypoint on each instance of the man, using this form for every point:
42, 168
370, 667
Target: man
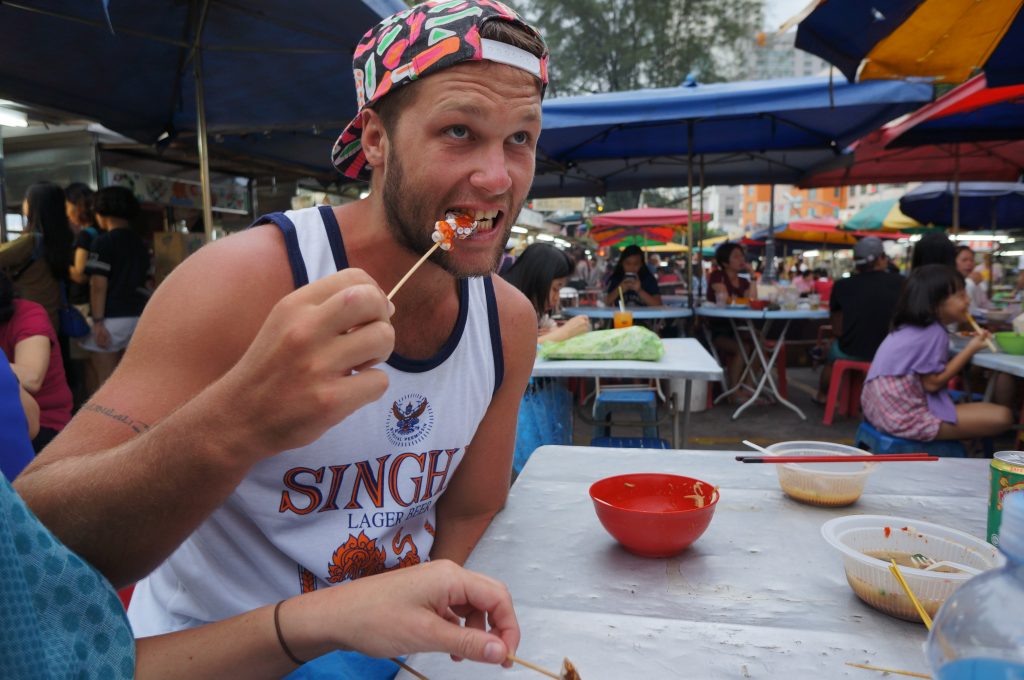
861, 307
255, 395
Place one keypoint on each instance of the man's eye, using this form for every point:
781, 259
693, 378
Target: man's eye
457, 132
520, 138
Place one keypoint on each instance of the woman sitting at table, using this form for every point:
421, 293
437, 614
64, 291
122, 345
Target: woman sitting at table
545, 412
639, 287
724, 285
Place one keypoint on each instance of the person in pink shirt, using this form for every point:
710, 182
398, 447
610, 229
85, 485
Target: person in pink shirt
30, 344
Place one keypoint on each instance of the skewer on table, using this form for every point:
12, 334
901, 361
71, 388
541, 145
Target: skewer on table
542, 671
412, 271
409, 669
865, 666
977, 329
888, 457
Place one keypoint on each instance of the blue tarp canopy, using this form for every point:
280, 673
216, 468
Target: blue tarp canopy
267, 64
983, 205
748, 132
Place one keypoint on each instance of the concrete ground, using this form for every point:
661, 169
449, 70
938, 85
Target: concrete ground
763, 425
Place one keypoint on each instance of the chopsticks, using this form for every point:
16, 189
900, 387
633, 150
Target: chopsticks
977, 329
882, 458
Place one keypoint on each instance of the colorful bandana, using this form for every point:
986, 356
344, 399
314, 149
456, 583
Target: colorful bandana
417, 42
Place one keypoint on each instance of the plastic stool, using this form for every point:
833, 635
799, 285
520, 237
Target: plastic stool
630, 442
858, 370
871, 439
644, 401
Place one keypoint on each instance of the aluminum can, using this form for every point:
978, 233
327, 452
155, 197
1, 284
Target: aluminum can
1007, 476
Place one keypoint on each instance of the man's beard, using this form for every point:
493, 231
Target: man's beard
406, 217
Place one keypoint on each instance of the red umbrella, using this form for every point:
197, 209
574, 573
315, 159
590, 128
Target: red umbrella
647, 217
875, 158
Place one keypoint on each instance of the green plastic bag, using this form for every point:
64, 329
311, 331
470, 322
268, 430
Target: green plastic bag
635, 342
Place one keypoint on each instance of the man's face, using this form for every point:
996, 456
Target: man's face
466, 142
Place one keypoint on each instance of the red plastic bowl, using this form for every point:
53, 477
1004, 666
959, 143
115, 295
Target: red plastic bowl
651, 514
758, 305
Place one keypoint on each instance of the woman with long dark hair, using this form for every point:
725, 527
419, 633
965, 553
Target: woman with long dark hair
639, 287
37, 261
540, 273
545, 412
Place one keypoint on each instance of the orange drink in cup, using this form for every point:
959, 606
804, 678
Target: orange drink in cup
623, 318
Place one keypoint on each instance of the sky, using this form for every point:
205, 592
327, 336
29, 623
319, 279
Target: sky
777, 11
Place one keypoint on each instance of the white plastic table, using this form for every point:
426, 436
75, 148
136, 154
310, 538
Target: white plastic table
741, 318
760, 595
684, 359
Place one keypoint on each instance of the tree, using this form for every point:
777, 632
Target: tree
616, 45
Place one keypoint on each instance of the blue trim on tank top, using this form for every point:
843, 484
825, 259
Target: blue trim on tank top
401, 363
495, 326
334, 237
300, 277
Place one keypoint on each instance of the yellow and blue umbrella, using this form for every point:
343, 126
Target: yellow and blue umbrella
945, 41
882, 215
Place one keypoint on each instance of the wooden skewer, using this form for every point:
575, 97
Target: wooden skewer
521, 662
412, 271
911, 674
884, 458
910, 593
977, 329
409, 669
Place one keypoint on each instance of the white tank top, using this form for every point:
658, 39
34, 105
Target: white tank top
356, 502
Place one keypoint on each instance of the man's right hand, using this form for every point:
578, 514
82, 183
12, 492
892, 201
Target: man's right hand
309, 366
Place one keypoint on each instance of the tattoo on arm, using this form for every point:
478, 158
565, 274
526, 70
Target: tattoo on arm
139, 427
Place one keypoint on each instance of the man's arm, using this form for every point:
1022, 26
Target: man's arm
480, 485
217, 377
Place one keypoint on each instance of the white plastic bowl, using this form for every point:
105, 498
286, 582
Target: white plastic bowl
870, 577
827, 484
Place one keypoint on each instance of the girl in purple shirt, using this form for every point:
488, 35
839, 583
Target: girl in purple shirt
905, 392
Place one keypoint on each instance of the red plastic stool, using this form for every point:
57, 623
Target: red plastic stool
849, 400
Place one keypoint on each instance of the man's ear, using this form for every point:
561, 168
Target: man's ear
374, 139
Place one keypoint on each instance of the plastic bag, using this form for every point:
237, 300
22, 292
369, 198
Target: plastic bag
635, 342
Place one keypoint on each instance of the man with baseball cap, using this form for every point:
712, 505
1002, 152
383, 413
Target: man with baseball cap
861, 307
291, 429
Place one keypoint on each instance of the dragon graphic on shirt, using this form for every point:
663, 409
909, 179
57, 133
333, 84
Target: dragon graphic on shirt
359, 556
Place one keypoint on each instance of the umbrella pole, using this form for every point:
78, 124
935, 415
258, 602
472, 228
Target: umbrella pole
768, 274
689, 213
956, 188
700, 239
3, 195
204, 151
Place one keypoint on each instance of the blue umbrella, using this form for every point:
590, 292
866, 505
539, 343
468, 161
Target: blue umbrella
151, 69
982, 205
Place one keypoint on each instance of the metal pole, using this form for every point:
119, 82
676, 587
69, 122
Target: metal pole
768, 275
3, 192
700, 240
204, 152
956, 188
689, 212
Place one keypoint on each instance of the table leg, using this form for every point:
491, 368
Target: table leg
767, 378
687, 390
990, 388
747, 359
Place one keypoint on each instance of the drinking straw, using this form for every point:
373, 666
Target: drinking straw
911, 674
977, 329
622, 301
516, 659
910, 593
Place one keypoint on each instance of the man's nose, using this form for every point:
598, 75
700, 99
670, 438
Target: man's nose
491, 173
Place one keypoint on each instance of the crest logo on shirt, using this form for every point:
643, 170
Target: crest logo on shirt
409, 420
